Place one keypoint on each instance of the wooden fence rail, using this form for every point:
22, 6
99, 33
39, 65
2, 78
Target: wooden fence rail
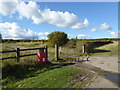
17, 51
7, 51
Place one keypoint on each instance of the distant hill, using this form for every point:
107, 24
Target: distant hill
30, 40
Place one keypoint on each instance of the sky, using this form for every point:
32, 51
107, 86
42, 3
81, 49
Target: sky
35, 20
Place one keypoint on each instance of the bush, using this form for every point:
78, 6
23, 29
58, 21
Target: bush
59, 38
72, 43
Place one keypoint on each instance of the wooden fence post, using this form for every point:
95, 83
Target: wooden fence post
46, 50
41, 50
60, 48
56, 52
83, 49
18, 54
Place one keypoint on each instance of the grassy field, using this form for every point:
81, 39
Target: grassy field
65, 51
7, 47
108, 49
60, 77
111, 48
24, 44
29, 74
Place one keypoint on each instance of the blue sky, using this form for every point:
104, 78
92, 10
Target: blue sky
102, 16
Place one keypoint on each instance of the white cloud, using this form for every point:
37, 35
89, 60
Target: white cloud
94, 29
45, 38
105, 26
115, 34
29, 10
60, 19
8, 7
46, 33
83, 36
14, 31
81, 25
70, 36
32, 11
43, 34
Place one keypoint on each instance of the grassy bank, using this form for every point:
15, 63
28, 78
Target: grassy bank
17, 72
108, 49
55, 78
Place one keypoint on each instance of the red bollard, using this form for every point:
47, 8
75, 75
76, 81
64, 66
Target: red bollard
41, 57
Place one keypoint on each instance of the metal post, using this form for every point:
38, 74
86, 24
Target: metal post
18, 54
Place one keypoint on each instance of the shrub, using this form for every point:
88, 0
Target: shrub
59, 38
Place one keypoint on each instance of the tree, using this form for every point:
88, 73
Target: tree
58, 38
72, 43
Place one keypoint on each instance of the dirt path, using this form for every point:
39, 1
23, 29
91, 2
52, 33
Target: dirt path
108, 63
99, 81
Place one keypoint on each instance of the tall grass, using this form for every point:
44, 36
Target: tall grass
56, 78
13, 71
28, 67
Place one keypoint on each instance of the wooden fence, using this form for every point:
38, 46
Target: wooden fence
18, 50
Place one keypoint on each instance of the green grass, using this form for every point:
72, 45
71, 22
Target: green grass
15, 72
10, 54
81, 84
24, 44
99, 73
13, 54
99, 53
51, 52
28, 44
108, 49
7, 47
114, 49
29, 74
56, 78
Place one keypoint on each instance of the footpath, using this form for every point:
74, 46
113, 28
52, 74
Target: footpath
98, 81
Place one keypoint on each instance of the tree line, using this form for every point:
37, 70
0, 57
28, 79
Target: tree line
22, 40
59, 37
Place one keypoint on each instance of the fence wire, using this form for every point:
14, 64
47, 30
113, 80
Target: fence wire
74, 54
